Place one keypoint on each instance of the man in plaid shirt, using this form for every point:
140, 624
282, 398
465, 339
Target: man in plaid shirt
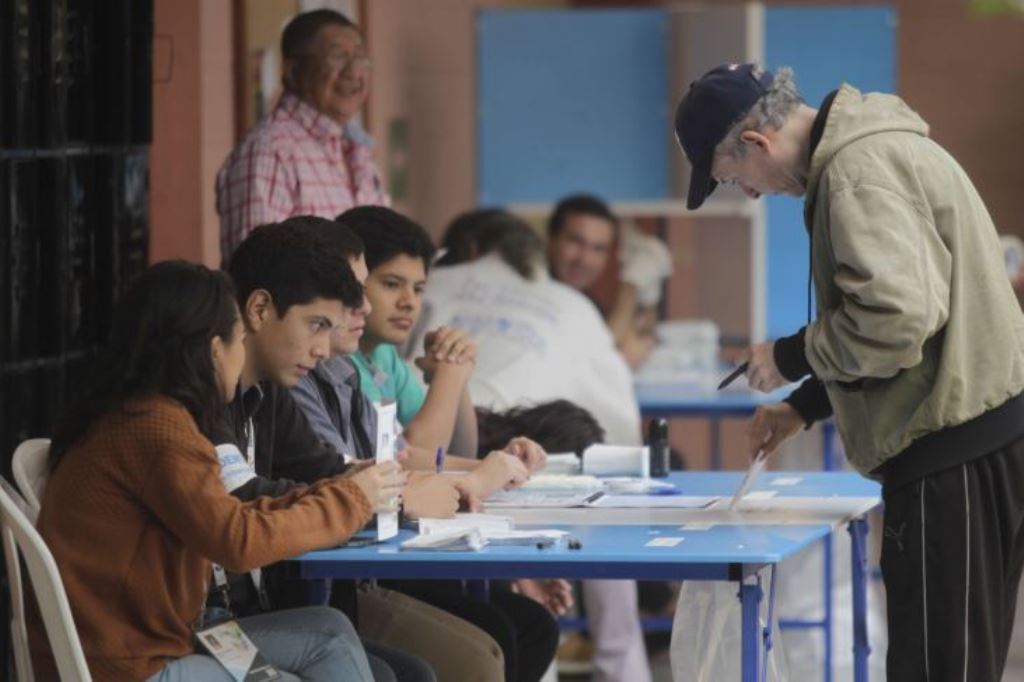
308, 157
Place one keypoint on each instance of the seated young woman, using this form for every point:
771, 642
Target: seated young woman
135, 510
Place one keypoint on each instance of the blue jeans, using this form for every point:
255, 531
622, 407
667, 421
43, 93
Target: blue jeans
311, 643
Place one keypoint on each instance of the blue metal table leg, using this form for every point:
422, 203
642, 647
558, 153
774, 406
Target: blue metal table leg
318, 592
768, 626
826, 546
828, 431
479, 590
861, 648
716, 443
750, 600
828, 463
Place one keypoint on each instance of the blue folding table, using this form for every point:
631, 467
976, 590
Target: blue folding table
616, 544
676, 399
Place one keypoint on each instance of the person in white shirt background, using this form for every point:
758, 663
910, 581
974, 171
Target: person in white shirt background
540, 340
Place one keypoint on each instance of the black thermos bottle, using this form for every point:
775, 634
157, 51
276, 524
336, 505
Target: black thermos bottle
657, 441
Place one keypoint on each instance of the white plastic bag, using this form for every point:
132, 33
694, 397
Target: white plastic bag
706, 634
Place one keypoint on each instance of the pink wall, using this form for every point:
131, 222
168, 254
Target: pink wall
193, 124
424, 72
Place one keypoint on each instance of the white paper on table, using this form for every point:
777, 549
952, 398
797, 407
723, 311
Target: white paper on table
562, 483
652, 502
387, 432
449, 541
562, 463
534, 536
465, 521
631, 485
617, 460
533, 500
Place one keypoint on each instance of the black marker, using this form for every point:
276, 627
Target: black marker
735, 374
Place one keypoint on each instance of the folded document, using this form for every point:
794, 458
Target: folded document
470, 532
470, 539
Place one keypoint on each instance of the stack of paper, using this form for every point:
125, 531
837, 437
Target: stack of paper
466, 521
562, 463
562, 483
448, 541
631, 485
617, 460
524, 537
549, 500
469, 532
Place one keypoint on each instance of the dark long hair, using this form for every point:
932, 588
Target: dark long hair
477, 233
558, 426
386, 234
159, 345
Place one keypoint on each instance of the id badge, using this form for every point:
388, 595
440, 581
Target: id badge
233, 649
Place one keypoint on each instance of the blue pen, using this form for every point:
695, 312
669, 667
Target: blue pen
440, 459
666, 491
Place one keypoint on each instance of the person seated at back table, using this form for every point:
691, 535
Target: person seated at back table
133, 474
582, 235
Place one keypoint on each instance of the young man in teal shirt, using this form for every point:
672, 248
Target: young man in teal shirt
398, 255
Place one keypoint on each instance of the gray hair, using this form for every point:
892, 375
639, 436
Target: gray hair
770, 111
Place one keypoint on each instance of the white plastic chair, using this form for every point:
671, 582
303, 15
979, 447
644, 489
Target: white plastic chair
19, 534
31, 470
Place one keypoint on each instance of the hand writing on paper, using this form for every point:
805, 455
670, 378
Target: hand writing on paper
771, 426
763, 374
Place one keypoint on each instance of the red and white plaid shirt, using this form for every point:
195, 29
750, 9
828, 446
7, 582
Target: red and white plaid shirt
295, 162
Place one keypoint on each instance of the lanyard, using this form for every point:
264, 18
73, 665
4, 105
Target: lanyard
250, 447
220, 578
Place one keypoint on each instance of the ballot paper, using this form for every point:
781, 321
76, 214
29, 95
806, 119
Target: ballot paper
617, 460
387, 432
756, 467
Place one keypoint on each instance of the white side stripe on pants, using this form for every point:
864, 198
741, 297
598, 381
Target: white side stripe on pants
924, 585
967, 578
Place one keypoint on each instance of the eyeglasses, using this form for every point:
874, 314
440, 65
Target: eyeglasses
357, 61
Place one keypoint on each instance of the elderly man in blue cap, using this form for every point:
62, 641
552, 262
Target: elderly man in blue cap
916, 347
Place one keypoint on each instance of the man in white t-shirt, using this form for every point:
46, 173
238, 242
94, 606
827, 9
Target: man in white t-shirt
539, 340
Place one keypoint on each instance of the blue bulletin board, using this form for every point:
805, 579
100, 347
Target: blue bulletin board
825, 46
577, 100
572, 100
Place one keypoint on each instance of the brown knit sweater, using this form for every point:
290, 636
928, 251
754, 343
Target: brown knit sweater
134, 515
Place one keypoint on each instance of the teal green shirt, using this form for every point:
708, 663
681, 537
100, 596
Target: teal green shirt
385, 376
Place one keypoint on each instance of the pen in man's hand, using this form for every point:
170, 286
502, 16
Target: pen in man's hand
734, 375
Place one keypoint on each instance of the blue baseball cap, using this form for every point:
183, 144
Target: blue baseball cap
715, 103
